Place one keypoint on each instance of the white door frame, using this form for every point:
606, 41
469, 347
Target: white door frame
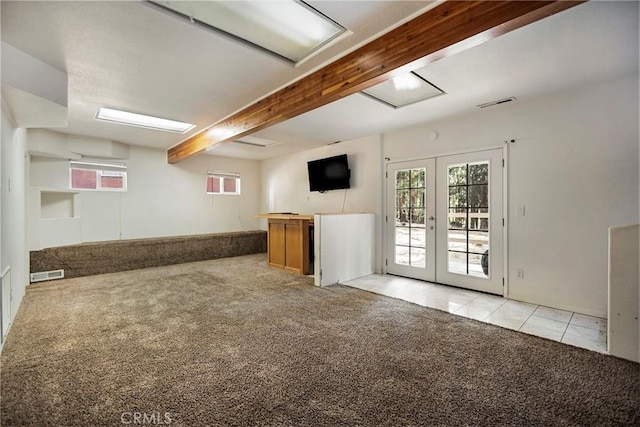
388, 241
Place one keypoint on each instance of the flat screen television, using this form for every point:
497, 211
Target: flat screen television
327, 174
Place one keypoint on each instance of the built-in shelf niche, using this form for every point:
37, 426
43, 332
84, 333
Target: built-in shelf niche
57, 204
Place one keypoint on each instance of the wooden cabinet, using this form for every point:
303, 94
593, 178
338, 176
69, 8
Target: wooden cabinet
289, 242
276, 243
344, 245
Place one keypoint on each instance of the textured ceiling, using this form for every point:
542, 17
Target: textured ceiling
128, 55
131, 56
590, 43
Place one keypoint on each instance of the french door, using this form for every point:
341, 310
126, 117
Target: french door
411, 194
445, 220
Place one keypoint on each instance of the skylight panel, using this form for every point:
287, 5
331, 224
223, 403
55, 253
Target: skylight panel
287, 28
141, 120
403, 90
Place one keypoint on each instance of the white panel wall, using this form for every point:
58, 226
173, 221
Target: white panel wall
161, 199
286, 185
623, 326
574, 166
344, 247
13, 164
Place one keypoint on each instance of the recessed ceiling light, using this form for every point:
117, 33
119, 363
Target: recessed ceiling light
143, 121
287, 28
403, 90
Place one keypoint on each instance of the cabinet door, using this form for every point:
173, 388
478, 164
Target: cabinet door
276, 244
294, 252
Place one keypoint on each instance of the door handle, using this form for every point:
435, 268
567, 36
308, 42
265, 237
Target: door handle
431, 218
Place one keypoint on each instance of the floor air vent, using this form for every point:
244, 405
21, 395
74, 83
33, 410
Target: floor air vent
47, 275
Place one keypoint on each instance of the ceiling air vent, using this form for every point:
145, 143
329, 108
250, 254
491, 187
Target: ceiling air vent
498, 102
257, 142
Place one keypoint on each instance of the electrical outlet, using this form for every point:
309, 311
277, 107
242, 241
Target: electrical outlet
520, 273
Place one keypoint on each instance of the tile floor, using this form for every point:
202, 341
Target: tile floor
570, 328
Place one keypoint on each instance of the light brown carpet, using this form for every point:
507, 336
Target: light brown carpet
231, 342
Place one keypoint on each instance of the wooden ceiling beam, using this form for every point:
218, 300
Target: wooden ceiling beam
446, 29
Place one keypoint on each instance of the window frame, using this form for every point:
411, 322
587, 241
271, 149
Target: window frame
221, 176
100, 169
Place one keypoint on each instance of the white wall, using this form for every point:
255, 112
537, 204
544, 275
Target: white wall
574, 166
36, 92
344, 247
285, 184
13, 164
161, 200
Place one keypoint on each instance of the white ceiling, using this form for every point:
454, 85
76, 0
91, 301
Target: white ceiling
128, 55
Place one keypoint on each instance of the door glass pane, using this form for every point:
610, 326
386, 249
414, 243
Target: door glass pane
458, 175
478, 241
402, 217
417, 178
478, 219
418, 238
417, 198
410, 228
479, 173
402, 255
475, 266
402, 179
483, 224
402, 236
457, 240
458, 196
468, 234
417, 218
402, 199
479, 195
418, 257
458, 219
457, 263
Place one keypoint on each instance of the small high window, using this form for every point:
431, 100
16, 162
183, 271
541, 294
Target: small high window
85, 175
223, 183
